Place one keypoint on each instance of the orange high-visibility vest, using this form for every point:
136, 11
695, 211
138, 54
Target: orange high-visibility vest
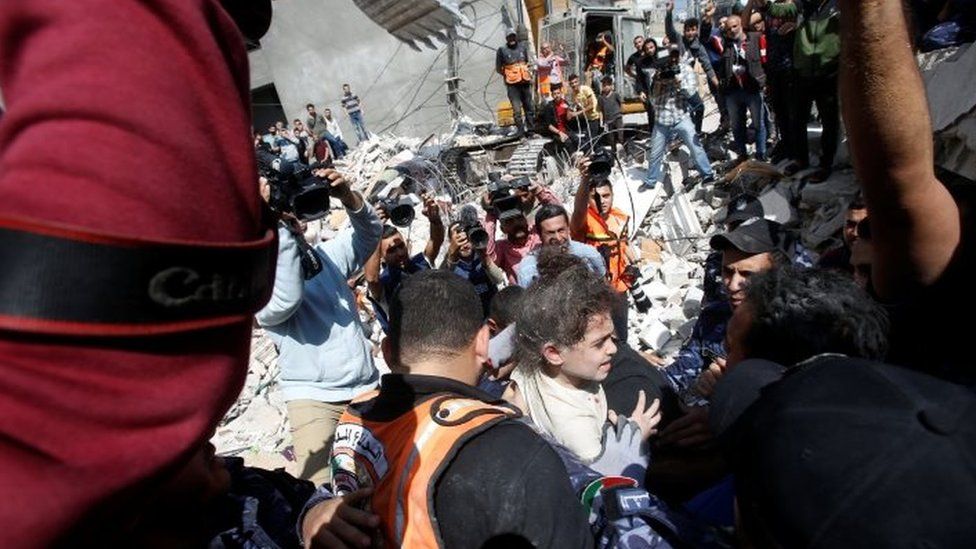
403, 458
517, 73
612, 233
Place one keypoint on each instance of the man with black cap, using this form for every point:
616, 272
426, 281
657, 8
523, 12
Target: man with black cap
751, 248
512, 63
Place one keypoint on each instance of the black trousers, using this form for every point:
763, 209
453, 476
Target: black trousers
520, 96
823, 91
781, 87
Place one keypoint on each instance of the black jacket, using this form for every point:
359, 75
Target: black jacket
756, 75
505, 483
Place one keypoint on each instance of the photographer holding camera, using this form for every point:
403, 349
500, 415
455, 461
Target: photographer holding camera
467, 257
513, 203
595, 221
391, 263
324, 357
672, 90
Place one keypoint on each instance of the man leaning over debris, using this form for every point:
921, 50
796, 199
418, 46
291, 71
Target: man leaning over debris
325, 359
752, 247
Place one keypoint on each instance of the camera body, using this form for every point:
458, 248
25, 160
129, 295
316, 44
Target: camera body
469, 223
399, 210
294, 187
502, 195
601, 164
670, 67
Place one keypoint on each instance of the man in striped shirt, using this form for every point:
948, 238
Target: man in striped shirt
354, 109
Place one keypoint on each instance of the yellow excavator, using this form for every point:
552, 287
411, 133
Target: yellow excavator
572, 30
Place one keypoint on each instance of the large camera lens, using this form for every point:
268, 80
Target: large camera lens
478, 237
402, 215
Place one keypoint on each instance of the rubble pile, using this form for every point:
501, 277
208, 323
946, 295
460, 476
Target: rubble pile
256, 426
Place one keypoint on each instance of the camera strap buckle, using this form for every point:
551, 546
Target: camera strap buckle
60, 280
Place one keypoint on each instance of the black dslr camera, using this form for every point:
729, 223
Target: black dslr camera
601, 164
469, 223
670, 68
399, 209
294, 188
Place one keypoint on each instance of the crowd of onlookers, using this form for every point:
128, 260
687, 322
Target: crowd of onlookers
317, 138
824, 404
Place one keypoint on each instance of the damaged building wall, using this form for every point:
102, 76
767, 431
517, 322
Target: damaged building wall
314, 46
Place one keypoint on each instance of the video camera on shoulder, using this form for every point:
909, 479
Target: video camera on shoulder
295, 189
502, 195
670, 66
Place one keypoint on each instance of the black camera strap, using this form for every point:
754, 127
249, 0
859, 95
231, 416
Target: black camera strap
64, 281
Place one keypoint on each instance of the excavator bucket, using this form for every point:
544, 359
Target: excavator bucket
416, 22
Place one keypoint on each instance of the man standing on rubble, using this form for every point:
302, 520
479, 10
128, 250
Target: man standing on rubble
743, 57
325, 358
672, 89
512, 63
691, 51
354, 108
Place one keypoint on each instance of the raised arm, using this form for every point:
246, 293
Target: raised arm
669, 29
914, 221
581, 202
436, 239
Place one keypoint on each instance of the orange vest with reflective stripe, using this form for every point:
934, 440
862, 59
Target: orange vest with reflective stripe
403, 458
612, 233
517, 73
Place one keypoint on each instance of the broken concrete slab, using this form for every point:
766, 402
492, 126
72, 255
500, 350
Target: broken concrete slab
654, 334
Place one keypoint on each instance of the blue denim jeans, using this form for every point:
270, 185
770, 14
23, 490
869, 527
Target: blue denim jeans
739, 102
339, 147
359, 125
661, 136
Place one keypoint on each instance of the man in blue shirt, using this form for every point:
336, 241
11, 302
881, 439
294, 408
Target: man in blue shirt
473, 265
751, 248
552, 225
393, 255
325, 359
